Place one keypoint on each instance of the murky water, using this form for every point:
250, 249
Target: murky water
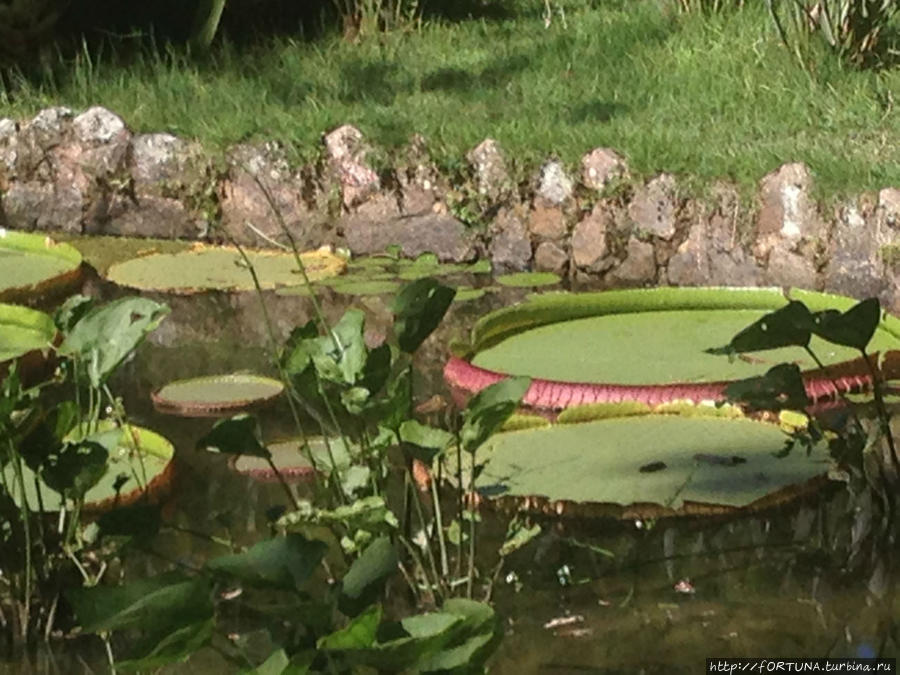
813, 579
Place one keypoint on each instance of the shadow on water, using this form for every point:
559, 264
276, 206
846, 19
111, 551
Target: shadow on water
814, 578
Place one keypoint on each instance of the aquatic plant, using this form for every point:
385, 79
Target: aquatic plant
66, 447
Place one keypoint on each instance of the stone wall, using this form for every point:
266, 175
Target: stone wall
88, 173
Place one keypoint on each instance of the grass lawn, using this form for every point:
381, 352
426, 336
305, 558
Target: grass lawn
703, 97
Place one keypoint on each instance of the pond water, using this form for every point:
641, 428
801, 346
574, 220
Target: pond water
813, 579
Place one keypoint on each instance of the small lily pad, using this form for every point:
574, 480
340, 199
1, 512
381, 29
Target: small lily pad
216, 395
33, 265
528, 279
292, 460
141, 467
222, 268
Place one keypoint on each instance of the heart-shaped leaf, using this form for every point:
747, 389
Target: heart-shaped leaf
418, 309
853, 328
789, 326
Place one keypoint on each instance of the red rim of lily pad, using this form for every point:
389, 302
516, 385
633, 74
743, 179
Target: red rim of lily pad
548, 397
288, 457
193, 397
150, 478
68, 259
157, 489
748, 460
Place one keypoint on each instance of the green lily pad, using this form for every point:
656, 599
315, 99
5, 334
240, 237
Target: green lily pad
528, 279
221, 268
466, 293
32, 265
143, 457
648, 464
292, 461
103, 251
216, 395
641, 337
366, 287
23, 330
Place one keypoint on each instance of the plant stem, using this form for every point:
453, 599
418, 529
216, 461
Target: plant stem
287, 488
884, 418
471, 570
445, 566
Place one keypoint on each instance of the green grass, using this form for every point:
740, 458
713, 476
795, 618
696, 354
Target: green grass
703, 97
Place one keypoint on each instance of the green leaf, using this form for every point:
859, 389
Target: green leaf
283, 562
853, 328
162, 603
789, 326
238, 435
342, 355
424, 442
418, 309
71, 311
175, 647
274, 665
358, 634
779, 388
367, 574
378, 368
487, 411
77, 467
105, 336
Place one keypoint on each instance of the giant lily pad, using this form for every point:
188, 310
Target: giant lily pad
33, 265
222, 268
648, 465
644, 345
103, 251
140, 467
216, 395
24, 334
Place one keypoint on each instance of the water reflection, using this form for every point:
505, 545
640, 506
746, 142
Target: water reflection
814, 579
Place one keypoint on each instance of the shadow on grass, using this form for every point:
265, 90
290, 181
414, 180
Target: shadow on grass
596, 111
461, 80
